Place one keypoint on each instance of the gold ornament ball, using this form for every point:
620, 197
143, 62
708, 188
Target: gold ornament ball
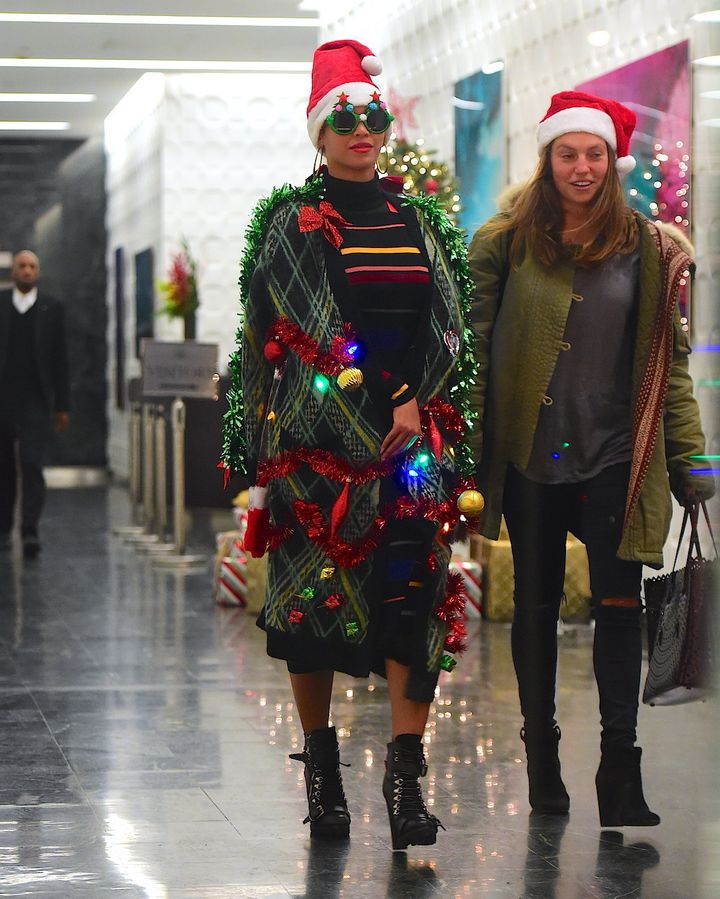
350, 379
471, 503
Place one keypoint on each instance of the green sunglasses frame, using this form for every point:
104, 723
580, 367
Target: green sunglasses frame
359, 117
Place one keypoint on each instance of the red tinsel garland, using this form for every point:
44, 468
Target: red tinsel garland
448, 416
452, 611
347, 555
306, 347
321, 462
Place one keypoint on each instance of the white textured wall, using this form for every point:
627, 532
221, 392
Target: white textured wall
428, 45
228, 141
133, 143
189, 156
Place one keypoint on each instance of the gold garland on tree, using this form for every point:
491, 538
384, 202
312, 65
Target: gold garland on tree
423, 173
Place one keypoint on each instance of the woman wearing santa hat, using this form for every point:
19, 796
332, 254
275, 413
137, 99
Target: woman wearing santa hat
347, 413
588, 423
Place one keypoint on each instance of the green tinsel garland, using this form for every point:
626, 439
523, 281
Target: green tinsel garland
452, 240
234, 449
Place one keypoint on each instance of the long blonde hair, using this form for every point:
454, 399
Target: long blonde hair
536, 219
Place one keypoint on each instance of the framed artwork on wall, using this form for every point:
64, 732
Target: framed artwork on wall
119, 273
480, 146
144, 297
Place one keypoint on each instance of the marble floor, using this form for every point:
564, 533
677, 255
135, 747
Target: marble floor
144, 740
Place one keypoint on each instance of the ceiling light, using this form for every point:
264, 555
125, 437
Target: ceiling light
34, 126
711, 95
707, 61
711, 123
712, 15
155, 65
47, 98
599, 38
223, 21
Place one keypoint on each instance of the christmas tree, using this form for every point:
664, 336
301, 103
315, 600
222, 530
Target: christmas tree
423, 173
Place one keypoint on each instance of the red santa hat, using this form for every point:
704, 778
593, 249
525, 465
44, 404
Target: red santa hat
339, 67
575, 111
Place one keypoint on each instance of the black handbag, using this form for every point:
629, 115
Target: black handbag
681, 611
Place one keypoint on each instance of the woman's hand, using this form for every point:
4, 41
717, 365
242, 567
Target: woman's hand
406, 426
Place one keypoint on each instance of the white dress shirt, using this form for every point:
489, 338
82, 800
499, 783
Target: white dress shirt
24, 301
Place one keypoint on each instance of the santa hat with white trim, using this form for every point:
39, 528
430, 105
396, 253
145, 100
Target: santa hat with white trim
608, 119
339, 67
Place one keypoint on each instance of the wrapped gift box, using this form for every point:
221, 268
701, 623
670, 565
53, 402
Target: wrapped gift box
471, 572
495, 557
239, 580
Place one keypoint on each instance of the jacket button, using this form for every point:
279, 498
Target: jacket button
548, 400
565, 345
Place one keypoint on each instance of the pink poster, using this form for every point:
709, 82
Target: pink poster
657, 88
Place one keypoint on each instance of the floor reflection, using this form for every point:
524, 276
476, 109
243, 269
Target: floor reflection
145, 734
620, 867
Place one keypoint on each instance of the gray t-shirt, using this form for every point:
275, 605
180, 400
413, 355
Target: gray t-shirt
585, 424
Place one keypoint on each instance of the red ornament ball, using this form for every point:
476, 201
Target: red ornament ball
274, 351
431, 186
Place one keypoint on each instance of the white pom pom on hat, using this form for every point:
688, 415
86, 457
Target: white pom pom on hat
339, 67
575, 111
372, 65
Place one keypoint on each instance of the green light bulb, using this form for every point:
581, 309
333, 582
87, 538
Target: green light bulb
321, 383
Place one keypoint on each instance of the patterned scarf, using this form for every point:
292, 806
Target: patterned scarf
674, 264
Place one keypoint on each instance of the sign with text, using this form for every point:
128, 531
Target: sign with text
186, 370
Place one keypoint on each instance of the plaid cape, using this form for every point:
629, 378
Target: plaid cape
287, 278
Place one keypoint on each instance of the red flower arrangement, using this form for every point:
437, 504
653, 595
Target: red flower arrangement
180, 290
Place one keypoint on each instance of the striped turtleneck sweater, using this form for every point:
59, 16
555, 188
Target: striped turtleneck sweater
381, 281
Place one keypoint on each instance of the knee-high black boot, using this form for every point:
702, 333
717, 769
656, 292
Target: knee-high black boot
327, 808
617, 657
534, 649
410, 822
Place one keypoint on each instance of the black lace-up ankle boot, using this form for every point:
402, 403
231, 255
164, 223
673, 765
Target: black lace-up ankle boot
327, 808
410, 822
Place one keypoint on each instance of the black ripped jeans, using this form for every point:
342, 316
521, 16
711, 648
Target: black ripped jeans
538, 518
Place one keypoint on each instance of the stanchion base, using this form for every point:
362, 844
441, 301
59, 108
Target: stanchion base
155, 548
181, 561
129, 530
141, 538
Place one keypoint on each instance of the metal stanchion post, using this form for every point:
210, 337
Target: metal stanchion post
160, 486
179, 558
134, 473
160, 474
148, 478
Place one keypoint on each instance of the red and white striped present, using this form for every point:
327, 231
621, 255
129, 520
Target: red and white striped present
231, 587
230, 570
471, 573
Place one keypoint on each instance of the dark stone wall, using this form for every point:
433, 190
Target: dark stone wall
29, 185
57, 202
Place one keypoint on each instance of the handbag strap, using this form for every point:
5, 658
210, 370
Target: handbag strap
686, 516
703, 506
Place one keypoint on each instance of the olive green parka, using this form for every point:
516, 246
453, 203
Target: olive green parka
519, 315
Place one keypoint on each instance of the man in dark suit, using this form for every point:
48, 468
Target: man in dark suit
34, 394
